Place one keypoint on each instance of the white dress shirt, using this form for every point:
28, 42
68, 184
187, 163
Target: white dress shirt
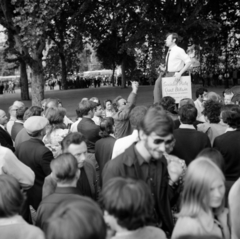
75, 125
198, 105
186, 126
11, 165
123, 143
10, 124
177, 59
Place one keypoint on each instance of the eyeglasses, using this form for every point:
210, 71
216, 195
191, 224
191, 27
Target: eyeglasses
166, 142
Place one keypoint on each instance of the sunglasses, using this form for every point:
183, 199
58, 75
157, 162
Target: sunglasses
166, 142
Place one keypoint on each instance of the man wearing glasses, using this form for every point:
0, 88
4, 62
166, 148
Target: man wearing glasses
144, 160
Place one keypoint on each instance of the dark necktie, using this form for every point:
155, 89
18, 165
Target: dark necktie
168, 53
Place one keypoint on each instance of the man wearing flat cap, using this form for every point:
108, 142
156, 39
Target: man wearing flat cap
35, 155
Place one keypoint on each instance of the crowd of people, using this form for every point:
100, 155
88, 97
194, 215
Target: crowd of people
121, 170
7, 87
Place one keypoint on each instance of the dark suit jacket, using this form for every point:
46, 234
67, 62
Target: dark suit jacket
103, 151
189, 143
177, 123
229, 146
21, 137
5, 139
50, 185
91, 132
49, 203
17, 126
126, 165
35, 155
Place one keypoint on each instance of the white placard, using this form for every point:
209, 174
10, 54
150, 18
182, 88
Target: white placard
178, 90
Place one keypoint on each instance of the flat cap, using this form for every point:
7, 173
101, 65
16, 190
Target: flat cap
35, 124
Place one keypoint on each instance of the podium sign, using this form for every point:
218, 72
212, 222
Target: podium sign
177, 89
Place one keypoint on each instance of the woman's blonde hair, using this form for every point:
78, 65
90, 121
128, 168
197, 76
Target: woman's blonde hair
197, 185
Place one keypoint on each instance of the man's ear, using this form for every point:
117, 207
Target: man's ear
142, 135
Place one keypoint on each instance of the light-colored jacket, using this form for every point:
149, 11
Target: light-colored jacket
11, 165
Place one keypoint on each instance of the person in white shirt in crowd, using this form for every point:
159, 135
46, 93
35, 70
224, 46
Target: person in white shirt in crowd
177, 62
11, 165
98, 114
79, 115
136, 116
97, 118
12, 111
201, 95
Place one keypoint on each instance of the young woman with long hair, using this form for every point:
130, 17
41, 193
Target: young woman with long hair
202, 208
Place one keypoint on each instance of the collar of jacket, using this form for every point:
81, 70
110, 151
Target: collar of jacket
130, 157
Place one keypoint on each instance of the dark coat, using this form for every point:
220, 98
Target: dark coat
229, 146
50, 185
49, 203
126, 165
21, 137
5, 139
35, 155
90, 131
189, 143
103, 151
17, 127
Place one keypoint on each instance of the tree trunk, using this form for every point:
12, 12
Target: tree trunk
37, 83
24, 81
113, 73
123, 74
64, 72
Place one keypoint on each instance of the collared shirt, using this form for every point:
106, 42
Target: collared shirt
75, 125
10, 124
67, 121
2, 127
177, 59
198, 105
186, 126
149, 173
229, 129
122, 144
96, 119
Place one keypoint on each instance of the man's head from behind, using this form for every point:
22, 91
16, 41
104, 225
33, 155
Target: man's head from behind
20, 112
76, 219
156, 132
74, 143
65, 169
127, 203
87, 108
13, 108
137, 115
188, 114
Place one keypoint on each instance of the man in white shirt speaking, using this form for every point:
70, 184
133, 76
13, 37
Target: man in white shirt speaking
177, 62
